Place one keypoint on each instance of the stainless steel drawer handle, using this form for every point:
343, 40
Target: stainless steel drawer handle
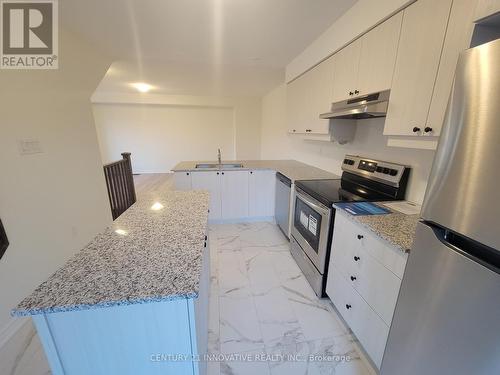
347, 306
356, 258
360, 237
353, 278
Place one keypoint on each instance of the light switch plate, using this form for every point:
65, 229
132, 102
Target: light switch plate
29, 146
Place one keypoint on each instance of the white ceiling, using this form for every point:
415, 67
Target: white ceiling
201, 47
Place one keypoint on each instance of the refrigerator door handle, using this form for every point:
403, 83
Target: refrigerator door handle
482, 254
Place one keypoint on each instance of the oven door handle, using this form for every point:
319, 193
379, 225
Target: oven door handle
321, 208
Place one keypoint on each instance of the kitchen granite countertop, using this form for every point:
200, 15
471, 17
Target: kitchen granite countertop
397, 228
294, 170
155, 256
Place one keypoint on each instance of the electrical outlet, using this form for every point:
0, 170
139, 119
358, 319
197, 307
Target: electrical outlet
29, 146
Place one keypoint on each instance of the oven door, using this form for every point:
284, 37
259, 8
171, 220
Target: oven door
311, 224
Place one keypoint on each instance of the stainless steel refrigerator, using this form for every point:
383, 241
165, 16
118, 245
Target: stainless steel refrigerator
447, 318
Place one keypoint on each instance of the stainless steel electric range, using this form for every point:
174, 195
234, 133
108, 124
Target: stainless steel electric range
363, 179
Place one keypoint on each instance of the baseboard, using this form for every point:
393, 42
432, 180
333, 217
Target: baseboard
13, 326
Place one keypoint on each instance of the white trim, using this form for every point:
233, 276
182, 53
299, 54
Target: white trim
423, 144
13, 326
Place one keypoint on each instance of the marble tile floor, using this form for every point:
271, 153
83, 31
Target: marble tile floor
264, 318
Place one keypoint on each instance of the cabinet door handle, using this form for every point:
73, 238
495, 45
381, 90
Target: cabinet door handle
353, 278
217, 173
294, 130
356, 258
427, 129
251, 172
360, 237
347, 306
351, 93
187, 173
356, 92
222, 173
416, 129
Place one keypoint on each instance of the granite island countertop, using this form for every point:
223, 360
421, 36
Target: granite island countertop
396, 228
293, 169
145, 256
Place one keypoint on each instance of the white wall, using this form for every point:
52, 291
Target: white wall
160, 136
196, 126
52, 203
363, 16
369, 142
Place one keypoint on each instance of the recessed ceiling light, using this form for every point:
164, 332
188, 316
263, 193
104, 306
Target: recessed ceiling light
141, 86
157, 206
121, 232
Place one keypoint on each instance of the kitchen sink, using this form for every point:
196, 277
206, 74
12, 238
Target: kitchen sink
206, 166
223, 165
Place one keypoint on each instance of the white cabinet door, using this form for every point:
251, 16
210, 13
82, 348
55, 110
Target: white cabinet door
346, 71
319, 81
296, 105
486, 8
417, 64
182, 180
458, 38
261, 190
379, 48
209, 180
234, 192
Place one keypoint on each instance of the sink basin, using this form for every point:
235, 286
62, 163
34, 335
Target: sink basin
231, 165
214, 166
206, 166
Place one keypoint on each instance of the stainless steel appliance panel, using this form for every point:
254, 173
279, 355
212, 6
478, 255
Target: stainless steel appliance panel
310, 228
462, 192
282, 203
447, 319
312, 275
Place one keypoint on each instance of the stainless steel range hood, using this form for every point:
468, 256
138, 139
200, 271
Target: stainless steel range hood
361, 107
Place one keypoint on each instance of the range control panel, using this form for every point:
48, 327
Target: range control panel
381, 170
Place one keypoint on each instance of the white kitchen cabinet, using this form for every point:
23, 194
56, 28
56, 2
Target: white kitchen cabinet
370, 330
457, 39
417, 64
364, 281
367, 65
319, 82
307, 97
379, 48
346, 71
182, 180
296, 105
261, 190
486, 8
234, 193
209, 180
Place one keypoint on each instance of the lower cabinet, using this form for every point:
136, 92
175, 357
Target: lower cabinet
240, 194
363, 283
182, 180
234, 193
261, 188
209, 180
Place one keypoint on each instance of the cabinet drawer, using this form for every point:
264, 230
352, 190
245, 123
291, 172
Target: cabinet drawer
353, 235
370, 330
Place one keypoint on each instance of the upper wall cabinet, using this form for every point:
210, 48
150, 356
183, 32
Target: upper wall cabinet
417, 64
486, 8
367, 64
307, 97
379, 48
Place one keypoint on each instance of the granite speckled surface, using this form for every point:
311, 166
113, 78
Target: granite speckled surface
396, 228
294, 170
157, 257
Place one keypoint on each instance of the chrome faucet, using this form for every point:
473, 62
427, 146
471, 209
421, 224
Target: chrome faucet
219, 156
